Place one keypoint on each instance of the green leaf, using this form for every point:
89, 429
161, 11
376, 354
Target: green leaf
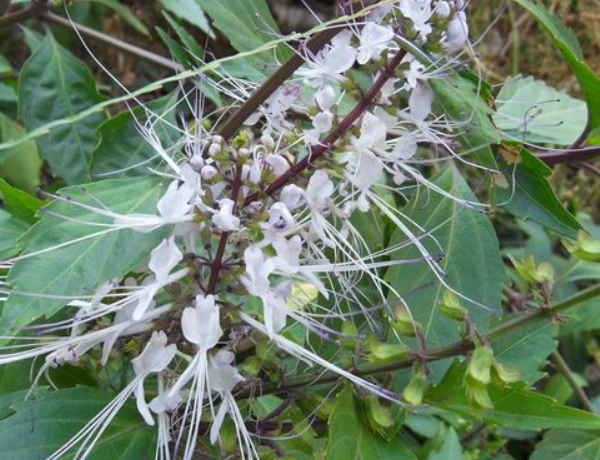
514, 406
530, 110
19, 203
9, 131
448, 446
5, 67
471, 261
248, 24
349, 439
567, 43
54, 85
77, 269
568, 445
39, 427
122, 149
126, 14
534, 197
11, 229
191, 11
460, 99
527, 348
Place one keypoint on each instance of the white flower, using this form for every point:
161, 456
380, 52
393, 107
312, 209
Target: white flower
374, 39
405, 147
278, 164
420, 102
442, 9
202, 325
419, 12
373, 132
292, 196
319, 189
322, 123
163, 259
288, 254
457, 34
325, 97
224, 219
330, 63
155, 357
280, 218
258, 270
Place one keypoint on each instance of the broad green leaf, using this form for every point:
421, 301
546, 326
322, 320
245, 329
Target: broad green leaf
11, 229
527, 348
78, 268
460, 99
122, 149
20, 165
350, 439
191, 11
33, 39
534, 197
530, 110
248, 24
585, 317
471, 260
567, 43
54, 85
19, 203
514, 406
448, 446
40, 426
126, 14
568, 445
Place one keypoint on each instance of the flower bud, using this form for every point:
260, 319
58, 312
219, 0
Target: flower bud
585, 248
214, 149
450, 306
404, 324
414, 391
381, 353
267, 141
506, 373
481, 364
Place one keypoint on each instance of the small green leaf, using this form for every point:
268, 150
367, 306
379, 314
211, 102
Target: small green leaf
567, 43
530, 110
534, 197
568, 445
19, 203
54, 85
70, 268
350, 439
5, 67
41, 426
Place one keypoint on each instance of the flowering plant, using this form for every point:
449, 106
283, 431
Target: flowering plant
308, 219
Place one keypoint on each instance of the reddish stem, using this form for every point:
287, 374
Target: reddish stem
387, 72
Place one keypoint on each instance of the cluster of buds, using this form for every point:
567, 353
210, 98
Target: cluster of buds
263, 235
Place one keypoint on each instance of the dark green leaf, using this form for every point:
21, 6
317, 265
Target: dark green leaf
460, 99
191, 11
471, 261
77, 269
514, 406
55, 85
39, 427
122, 149
534, 198
568, 445
11, 229
349, 439
19, 203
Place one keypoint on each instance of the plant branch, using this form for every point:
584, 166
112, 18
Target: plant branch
22, 15
115, 42
344, 126
576, 155
458, 348
564, 369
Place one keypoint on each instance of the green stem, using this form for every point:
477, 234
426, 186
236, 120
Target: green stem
564, 369
458, 348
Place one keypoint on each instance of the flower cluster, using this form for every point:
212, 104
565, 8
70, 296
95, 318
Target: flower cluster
263, 229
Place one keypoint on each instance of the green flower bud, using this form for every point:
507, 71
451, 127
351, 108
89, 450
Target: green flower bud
414, 391
506, 373
381, 353
478, 394
586, 248
450, 306
404, 324
481, 364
